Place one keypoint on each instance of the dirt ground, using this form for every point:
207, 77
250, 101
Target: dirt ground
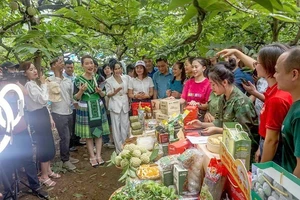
85, 182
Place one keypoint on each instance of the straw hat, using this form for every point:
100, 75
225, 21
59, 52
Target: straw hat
54, 92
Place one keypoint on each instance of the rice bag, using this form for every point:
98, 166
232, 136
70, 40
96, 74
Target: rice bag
137, 132
134, 119
136, 125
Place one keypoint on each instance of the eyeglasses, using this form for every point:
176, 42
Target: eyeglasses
255, 64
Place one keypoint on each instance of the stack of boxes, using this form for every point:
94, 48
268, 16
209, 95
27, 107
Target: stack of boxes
165, 108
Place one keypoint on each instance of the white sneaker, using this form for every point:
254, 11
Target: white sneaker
73, 160
69, 166
111, 145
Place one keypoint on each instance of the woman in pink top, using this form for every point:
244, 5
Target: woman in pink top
196, 90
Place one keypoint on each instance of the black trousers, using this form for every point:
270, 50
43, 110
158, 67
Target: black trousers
74, 141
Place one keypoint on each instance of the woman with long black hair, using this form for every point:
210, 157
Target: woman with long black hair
41, 121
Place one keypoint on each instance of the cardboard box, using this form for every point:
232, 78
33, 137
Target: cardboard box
180, 179
167, 177
170, 106
160, 116
193, 114
179, 147
155, 104
237, 142
162, 138
155, 113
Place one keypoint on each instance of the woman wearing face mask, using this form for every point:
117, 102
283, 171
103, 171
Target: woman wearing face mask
276, 102
175, 86
118, 105
196, 90
91, 118
40, 120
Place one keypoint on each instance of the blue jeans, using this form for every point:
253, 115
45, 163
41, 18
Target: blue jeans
19, 154
278, 155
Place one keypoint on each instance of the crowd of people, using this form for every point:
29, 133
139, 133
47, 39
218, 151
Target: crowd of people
261, 94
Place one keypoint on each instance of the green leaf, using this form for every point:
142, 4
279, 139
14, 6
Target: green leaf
190, 13
218, 6
247, 24
77, 195
178, 3
290, 9
283, 18
212, 15
154, 153
265, 3
277, 4
204, 4
125, 175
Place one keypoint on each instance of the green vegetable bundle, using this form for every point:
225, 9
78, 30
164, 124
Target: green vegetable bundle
149, 190
131, 158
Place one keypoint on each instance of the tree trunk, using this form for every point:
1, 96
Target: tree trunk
37, 61
275, 30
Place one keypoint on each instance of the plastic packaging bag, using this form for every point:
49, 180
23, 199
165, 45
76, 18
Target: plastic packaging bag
147, 142
214, 180
192, 159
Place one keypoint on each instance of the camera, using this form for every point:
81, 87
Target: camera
13, 76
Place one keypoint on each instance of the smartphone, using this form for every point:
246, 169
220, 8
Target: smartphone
245, 82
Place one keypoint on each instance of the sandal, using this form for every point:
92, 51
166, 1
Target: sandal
54, 175
48, 182
100, 161
93, 163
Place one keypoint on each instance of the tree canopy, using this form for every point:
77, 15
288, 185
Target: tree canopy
129, 29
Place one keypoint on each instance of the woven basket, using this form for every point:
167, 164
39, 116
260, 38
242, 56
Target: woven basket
214, 148
129, 141
115, 192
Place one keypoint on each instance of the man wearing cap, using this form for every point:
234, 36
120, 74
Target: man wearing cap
19, 152
140, 87
61, 97
161, 78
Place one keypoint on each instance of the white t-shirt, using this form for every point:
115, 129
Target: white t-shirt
137, 85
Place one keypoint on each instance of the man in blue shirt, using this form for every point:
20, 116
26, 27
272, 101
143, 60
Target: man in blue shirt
149, 66
161, 78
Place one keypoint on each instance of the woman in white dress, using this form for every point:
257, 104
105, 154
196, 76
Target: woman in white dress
118, 104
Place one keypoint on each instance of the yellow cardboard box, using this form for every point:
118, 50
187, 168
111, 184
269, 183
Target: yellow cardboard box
170, 106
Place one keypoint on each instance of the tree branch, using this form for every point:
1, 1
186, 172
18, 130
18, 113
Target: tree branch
53, 7
245, 10
82, 25
9, 50
2, 31
200, 18
296, 39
